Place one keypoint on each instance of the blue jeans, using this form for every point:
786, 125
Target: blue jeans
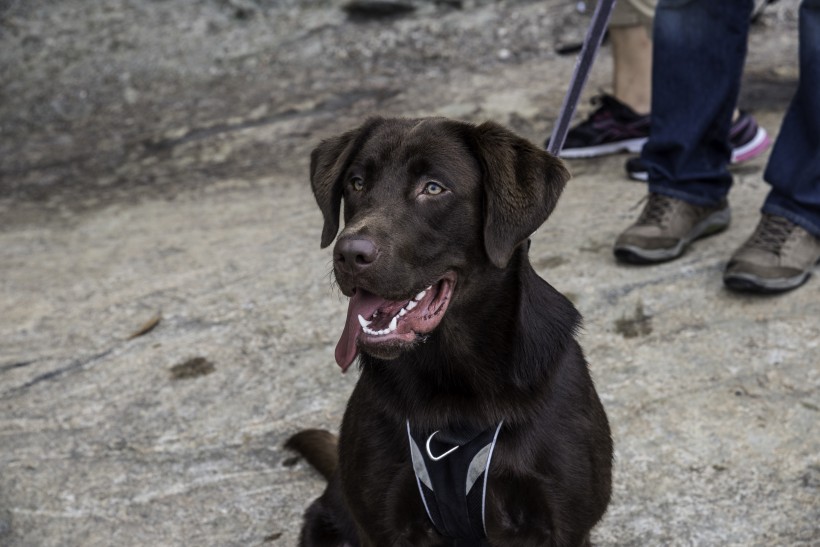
699, 51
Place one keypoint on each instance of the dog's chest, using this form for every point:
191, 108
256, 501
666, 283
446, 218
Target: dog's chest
451, 470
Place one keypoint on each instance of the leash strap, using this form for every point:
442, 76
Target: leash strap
592, 41
451, 471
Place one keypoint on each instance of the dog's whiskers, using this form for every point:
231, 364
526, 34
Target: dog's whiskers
333, 284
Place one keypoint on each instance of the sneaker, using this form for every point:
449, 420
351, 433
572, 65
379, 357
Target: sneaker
612, 127
666, 227
779, 256
748, 140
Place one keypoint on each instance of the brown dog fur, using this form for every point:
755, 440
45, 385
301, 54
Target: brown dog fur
449, 206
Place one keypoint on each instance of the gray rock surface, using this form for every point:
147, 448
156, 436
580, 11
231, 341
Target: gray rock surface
153, 177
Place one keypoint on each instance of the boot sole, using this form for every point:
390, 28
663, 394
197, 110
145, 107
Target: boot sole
747, 282
756, 284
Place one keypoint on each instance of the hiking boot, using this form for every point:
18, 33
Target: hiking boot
612, 127
747, 138
779, 256
666, 227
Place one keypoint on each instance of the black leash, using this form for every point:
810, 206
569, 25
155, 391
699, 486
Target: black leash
592, 41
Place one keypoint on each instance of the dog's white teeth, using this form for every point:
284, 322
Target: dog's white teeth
402, 312
410, 305
393, 324
363, 322
420, 295
382, 332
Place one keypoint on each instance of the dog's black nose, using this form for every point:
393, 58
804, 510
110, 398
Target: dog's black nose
354, 255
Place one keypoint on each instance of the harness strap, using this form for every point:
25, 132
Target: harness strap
451, 471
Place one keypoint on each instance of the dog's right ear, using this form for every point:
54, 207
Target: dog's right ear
328, 163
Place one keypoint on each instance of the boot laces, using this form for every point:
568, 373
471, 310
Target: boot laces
657, 209
772, 233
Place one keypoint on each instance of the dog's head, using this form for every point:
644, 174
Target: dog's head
428, 203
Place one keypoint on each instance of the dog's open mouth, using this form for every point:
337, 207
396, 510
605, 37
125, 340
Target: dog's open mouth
380, 326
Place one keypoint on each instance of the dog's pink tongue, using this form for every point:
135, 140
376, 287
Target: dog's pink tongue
361, 303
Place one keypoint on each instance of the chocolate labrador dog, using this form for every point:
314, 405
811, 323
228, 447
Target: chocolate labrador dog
474, 420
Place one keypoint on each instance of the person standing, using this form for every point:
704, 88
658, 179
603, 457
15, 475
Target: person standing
699, 48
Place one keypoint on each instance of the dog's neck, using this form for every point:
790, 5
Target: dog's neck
491, 350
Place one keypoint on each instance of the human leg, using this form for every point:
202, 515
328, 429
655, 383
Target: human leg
794, 166
630, 34
632, 66
699, 50
785, 246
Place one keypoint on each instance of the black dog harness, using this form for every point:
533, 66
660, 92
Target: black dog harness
451, 472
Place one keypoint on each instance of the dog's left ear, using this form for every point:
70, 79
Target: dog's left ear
328, 163
522, 184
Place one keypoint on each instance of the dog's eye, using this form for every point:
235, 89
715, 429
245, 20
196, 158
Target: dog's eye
357, 184
433, 188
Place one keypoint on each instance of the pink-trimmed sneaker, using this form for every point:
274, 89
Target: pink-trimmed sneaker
747, 138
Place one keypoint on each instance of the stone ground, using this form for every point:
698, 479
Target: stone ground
167, 317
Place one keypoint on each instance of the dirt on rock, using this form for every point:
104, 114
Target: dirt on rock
110, 101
